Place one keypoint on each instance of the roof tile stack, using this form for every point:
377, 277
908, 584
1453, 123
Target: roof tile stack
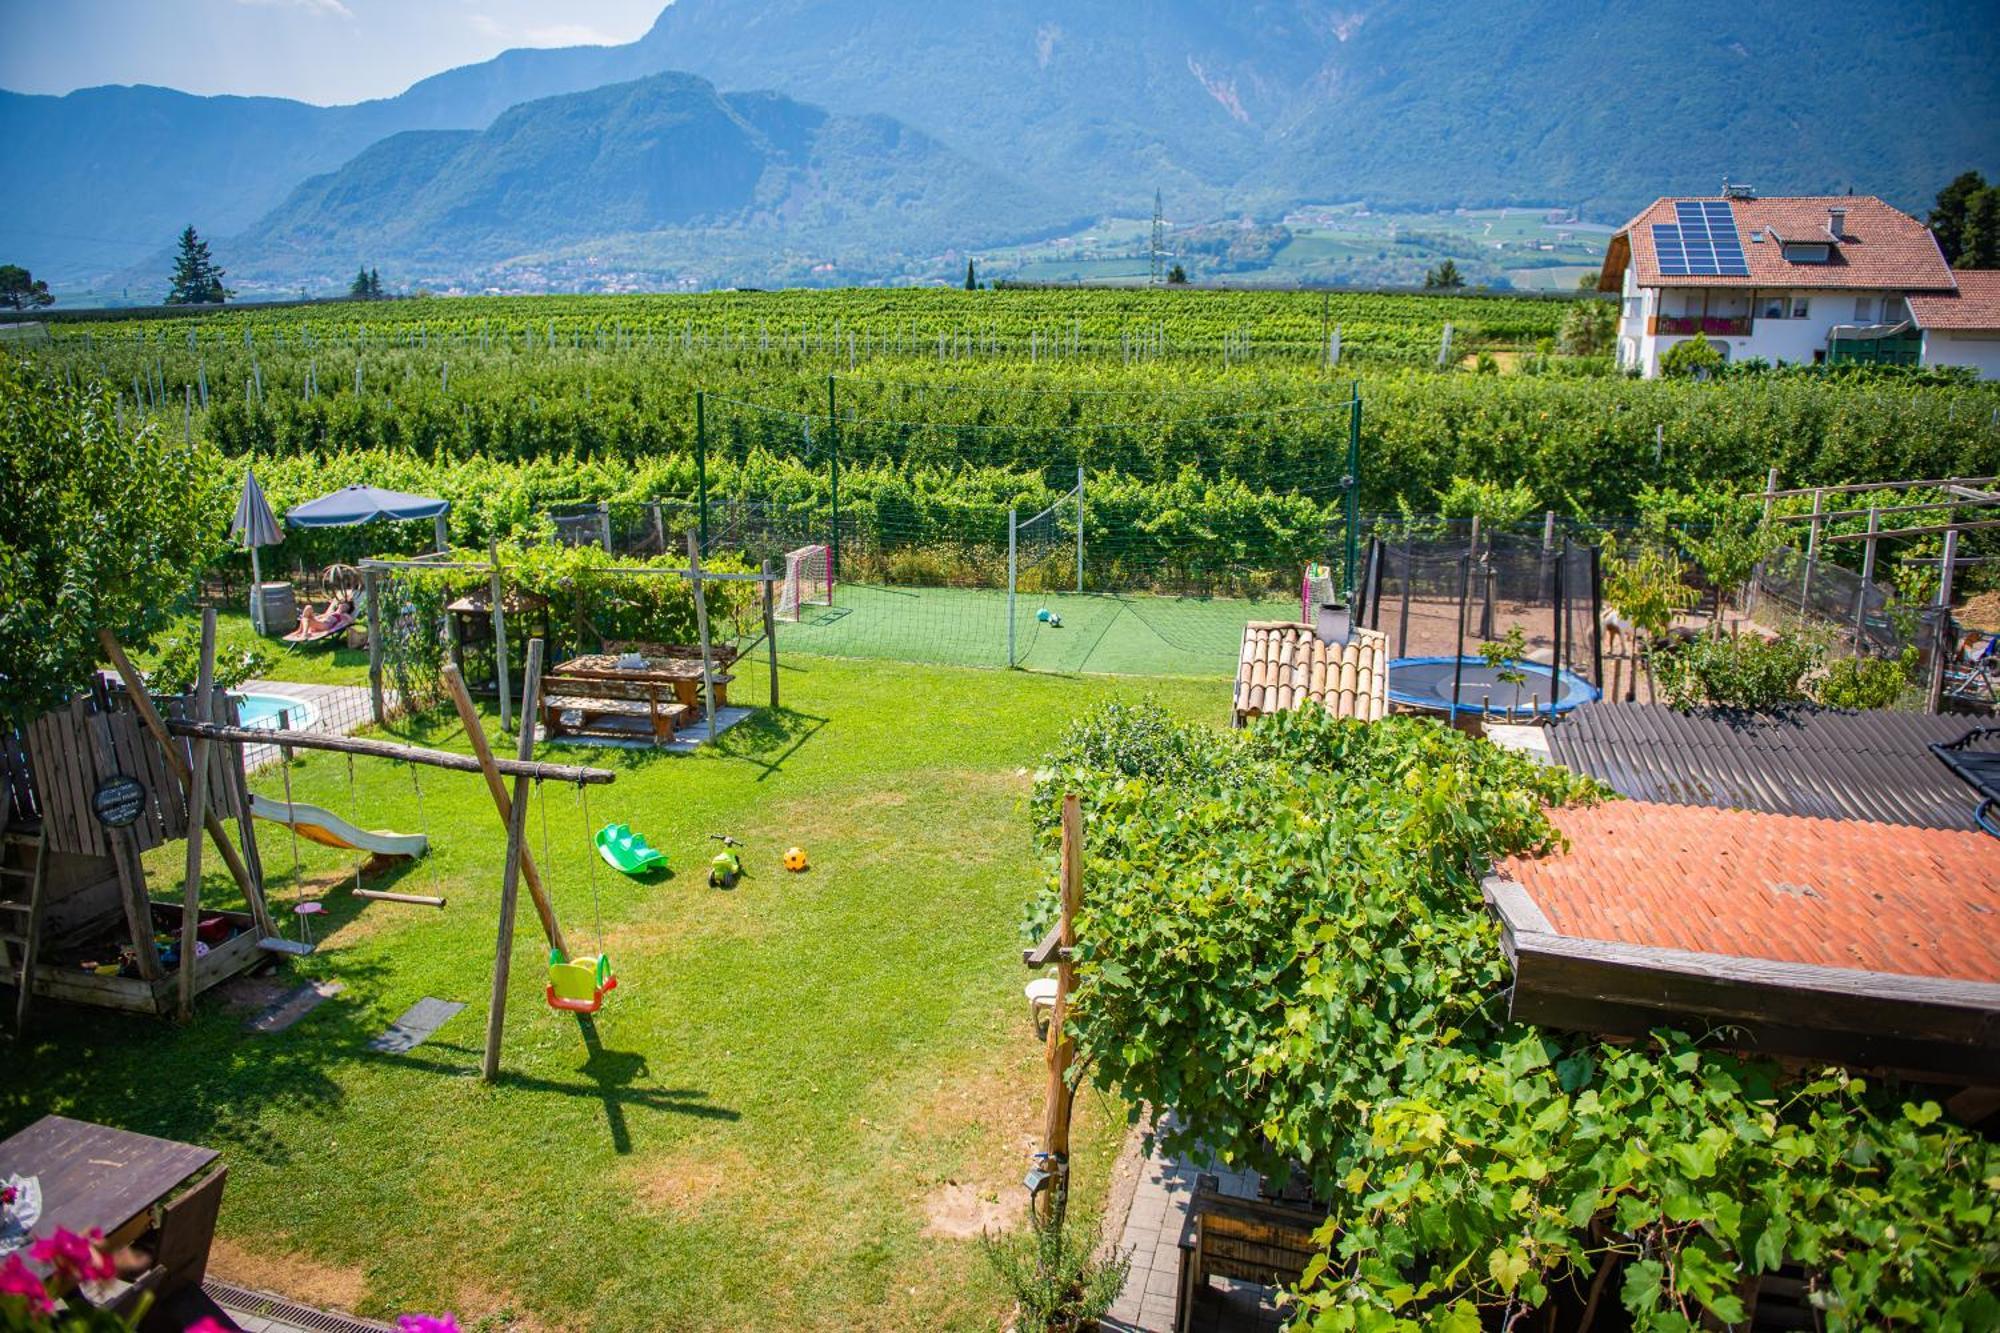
1284, 666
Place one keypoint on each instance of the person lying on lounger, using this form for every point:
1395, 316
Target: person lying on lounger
339, 614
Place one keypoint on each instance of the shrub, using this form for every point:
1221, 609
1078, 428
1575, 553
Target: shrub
1721, 670
1693, 358
1867, 682
108, 525
1051, 1270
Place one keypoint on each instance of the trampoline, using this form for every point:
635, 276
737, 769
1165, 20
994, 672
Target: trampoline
1428, 683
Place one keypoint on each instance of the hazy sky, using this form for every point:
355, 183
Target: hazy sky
324, 51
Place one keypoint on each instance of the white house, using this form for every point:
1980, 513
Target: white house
1840, 278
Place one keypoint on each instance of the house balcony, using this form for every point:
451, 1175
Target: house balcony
1715, 326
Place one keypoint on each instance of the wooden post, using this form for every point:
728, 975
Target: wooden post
372, 590
142, 702
442, 533
1061, 1049
197, 804
701, 624
1943, 645
483, 751
1867, 575
659, 526
771, 629
124, 843
510, 881
500, 639
1812, 552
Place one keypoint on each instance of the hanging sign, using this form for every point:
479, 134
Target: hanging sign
118, 801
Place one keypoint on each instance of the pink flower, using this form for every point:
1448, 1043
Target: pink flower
17, 1279
9, 1193
208, 1323
80, 1258
424, 1323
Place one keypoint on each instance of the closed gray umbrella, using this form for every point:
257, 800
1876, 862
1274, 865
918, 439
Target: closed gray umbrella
255, 525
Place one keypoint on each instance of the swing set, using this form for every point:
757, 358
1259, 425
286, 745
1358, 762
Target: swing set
576, 984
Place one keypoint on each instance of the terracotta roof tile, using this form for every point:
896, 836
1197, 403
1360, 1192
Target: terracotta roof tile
1284, 665
1880, 897
1883, 247
1977, 305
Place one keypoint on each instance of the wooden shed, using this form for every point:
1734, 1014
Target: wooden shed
1285, 665
89, 790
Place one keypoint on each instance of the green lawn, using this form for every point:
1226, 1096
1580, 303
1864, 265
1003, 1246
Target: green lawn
790, 1079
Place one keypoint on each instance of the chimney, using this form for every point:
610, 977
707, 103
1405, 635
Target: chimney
1836, 223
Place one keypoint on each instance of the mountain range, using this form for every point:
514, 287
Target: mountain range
888, 128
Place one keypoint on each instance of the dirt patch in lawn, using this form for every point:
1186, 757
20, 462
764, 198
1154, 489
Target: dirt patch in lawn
958, 1210
298, 1276
684, 1182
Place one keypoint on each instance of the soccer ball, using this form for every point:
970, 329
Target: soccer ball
795, 859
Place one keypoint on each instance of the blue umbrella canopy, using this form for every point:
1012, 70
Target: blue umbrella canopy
356, 504
254, 524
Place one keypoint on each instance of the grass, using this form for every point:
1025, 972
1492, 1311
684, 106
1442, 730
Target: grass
300, 666
790, 1080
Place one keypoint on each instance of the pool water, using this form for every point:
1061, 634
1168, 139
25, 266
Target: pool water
262, 710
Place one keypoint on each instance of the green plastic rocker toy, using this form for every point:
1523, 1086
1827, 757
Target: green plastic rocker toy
580, 984
626, 851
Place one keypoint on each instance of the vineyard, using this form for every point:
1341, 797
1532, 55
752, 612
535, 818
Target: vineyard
1212, 427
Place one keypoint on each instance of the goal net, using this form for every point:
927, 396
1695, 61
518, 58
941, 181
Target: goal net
808, 581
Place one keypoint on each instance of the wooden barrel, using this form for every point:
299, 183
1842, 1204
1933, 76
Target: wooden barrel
281, 608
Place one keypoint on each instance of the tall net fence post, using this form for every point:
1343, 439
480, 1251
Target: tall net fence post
1013, 576
1079, 527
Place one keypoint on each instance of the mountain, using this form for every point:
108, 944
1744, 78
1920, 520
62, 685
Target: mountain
1250, 105
658, 176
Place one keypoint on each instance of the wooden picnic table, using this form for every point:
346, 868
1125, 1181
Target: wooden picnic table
96, 1177
666, 668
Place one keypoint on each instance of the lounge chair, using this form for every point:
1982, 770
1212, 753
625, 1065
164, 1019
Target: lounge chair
322, 627
1973, 673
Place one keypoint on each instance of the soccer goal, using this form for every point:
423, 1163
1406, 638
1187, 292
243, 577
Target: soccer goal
808, 581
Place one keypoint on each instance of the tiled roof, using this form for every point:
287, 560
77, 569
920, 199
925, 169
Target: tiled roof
1977, 305
1884, 248
1284, 665
1804, 761
1881, 898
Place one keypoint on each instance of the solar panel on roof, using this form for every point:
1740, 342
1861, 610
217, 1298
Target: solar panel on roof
1700, 242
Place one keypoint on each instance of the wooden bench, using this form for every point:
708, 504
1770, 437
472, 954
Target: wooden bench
598, 703
1250, 1240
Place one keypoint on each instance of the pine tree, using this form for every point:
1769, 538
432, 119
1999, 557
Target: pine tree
358, 289
22, 290
971, 277
197, 277
1947, 218
1979, 243
1445, 275
375, 283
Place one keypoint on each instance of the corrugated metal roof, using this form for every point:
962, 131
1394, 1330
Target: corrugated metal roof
1873, 766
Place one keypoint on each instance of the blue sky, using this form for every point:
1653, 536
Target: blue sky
325, 51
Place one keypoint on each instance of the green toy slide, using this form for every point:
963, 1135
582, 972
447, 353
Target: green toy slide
626, 851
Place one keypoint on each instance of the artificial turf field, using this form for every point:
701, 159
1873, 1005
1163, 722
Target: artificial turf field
798, 1108
1129, 634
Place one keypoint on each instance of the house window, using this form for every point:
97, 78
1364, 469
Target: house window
1800, 307
1632, 304
1864, 310
1771, 305
1893, 310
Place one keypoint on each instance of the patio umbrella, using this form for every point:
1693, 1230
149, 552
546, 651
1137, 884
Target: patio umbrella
357, 504
255, 525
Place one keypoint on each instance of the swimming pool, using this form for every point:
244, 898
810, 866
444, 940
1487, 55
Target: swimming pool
262, 710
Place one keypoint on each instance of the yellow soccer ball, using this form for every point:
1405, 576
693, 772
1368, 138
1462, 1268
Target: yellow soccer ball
795, 859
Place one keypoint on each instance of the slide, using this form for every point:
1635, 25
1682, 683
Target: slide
330, 830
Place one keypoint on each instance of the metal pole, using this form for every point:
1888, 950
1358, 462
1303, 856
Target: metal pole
1079, 527
701, 623
256, 592
443, 534
1458, 658
701, 463
1596, 611
833, 444
771, 628
1010, 584
1351, 483
604, 524
500, 640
